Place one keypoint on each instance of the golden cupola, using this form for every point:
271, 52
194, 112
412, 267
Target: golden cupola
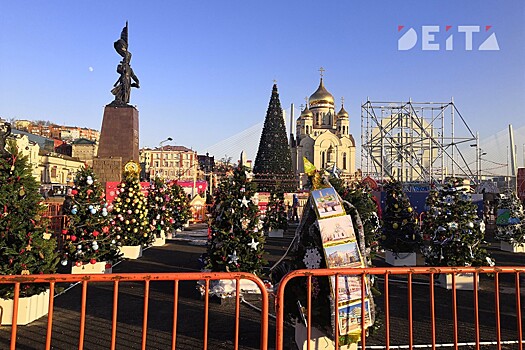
307, 113
321, 96
342, 113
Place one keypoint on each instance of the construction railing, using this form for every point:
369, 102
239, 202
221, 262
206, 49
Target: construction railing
147, 279
439, 320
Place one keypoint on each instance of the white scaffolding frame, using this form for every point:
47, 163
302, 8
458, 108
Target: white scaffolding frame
414, 141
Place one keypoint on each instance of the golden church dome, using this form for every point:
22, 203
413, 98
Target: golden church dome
321, 96
342, 113
306, 113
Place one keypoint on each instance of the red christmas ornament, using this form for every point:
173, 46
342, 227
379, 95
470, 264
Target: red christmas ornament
74, 192
64, 232
95, 233
78, 264
73, 238
105, 229
93, 261
108, 266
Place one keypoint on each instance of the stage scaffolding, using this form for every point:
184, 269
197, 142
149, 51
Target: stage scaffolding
415, 141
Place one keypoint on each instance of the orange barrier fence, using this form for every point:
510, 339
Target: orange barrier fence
410, 307
147, 279
431, 312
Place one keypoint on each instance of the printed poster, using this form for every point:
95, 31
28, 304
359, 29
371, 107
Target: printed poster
336, 230
350, 317
327, 203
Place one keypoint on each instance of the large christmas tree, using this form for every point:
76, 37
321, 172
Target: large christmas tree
400, 229
276, 217
130, 209
510, 219
88, 235
26, 248
456, 233
160, 210
273, 164
236, 242
180, 206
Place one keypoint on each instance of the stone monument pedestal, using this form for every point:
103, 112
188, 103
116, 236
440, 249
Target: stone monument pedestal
119, 141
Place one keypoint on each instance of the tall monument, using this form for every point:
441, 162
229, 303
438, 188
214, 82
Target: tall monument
119, 136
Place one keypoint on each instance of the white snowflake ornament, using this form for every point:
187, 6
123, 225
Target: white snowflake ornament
312, 258
233, 258
253, 244
244, 201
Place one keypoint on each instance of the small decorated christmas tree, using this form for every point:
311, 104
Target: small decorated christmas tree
510, 219
88, 236
130, 210
400, 230
180, 207
276, 217
236, 243
26, 248
457, 234
160, 210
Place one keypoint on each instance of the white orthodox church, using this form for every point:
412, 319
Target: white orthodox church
323, 137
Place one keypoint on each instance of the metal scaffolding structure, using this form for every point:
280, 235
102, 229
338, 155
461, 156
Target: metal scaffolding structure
414, 141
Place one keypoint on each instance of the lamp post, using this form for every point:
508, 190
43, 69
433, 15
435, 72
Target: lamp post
162, 154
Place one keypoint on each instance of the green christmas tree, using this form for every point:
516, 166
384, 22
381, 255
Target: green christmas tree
160, 210
273, 163
26, 248
457, 234
180, 206
89, 239
400, 229
236, 243
276, 217
510, 222
428, 223
130, 209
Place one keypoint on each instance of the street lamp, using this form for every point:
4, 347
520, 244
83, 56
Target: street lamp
162, 154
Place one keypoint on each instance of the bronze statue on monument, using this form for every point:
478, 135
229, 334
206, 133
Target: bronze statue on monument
119, 135
122, 87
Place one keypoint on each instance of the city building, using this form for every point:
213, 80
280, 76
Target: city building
84, 149
54, 131
169, 162
323, 137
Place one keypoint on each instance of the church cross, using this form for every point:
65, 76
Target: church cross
322, 72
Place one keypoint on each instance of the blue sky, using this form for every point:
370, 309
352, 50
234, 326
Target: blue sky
207, 67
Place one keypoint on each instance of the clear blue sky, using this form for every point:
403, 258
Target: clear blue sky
206, 67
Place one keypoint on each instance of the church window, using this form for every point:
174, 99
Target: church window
344, 160
323, 159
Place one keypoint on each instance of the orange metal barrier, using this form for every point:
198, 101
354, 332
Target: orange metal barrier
117, 279
420, 272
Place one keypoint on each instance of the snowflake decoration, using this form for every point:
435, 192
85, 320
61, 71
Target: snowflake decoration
312, 258
244, 201
233, 258
253, 244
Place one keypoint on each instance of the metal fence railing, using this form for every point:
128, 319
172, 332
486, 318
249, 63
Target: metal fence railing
147, 279
421, 314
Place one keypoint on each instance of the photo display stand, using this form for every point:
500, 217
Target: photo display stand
341, 250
